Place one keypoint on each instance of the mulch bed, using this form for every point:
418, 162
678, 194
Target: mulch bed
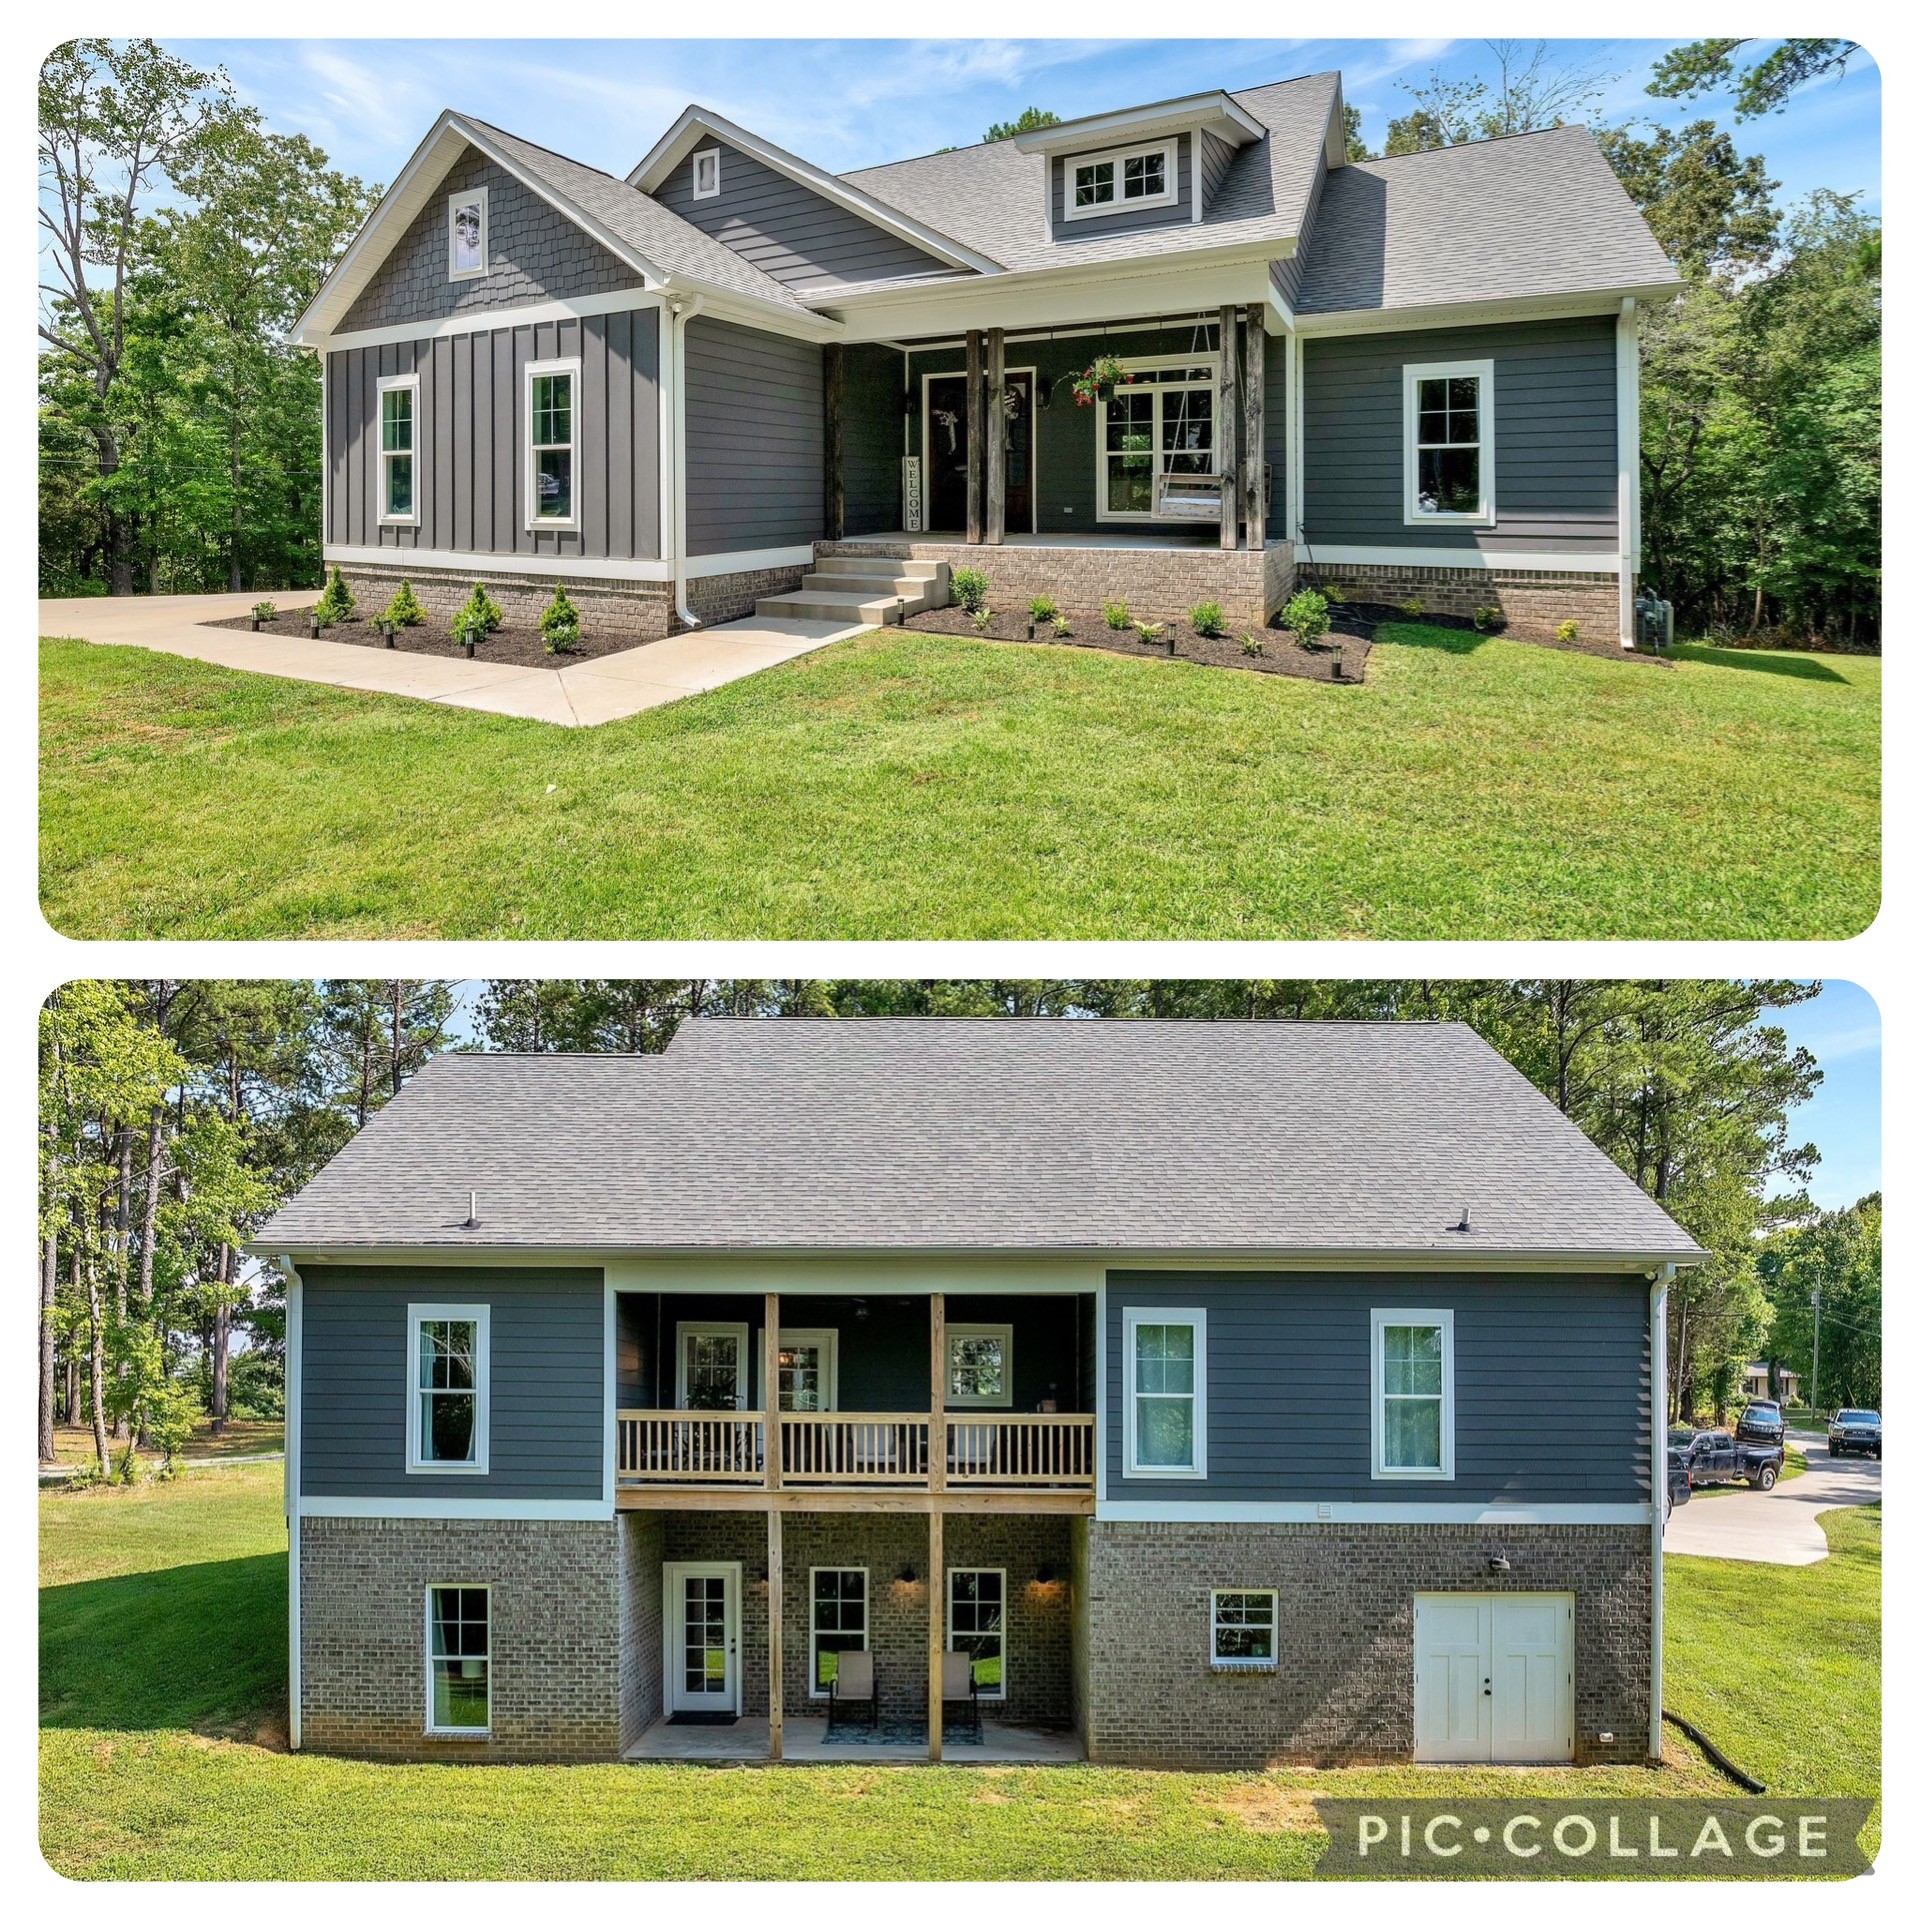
509, 647
1365, 617
1283, 653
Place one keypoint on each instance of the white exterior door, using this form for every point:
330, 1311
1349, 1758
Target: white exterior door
702, 1604
1493, 1677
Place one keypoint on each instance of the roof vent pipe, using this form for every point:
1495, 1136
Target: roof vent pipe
1466, 1221
473, 1209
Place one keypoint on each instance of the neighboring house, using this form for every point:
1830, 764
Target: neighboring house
1224, 1392
734, 377
1753, 1383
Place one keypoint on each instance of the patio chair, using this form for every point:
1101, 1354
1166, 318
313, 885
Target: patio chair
959, 1691
854, 1694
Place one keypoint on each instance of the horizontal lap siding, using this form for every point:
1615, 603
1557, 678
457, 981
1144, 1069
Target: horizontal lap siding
1556, 460
755, 439
546, 1332
1551, 1386
1132, 220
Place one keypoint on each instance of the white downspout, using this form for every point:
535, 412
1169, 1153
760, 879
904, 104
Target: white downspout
291, 1477
1626, 339
678, 314
1657, 1336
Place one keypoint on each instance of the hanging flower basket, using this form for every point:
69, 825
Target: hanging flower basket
1099, 381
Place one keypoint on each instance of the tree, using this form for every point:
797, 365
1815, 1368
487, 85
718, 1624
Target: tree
1528, 91
1356, 139
1030, 121
1706, 66
378, 1033
1711, 210
1839, 1254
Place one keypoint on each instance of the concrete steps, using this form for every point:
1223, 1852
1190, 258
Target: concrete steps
873, 591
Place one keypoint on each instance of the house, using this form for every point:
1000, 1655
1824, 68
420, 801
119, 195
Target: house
1221, 1392
1754, 1384
734, 380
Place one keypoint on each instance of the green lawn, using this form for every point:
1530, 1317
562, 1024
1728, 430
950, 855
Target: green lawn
163, 1647
919, 786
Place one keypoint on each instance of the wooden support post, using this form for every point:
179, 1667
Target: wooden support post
1253, 428
937, 1396
976, 438
776, 1636
1226, 434
936, 1624
770, 1393
996, 436
833, 364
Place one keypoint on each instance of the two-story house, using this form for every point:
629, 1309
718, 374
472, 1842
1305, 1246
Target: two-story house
732, 379
1217, 1392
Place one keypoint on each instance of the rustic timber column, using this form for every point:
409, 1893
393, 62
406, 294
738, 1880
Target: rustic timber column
976, 425
1253, 428
1226, 437
776, 1637
770, 1393
996, 435
834, 365
936, 1614
937, 1410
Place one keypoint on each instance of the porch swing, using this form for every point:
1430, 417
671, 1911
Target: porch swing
1189, 497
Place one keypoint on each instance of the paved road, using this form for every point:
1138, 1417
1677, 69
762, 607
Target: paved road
1779, 1527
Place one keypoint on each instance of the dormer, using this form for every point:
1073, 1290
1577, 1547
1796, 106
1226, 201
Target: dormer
1147, 166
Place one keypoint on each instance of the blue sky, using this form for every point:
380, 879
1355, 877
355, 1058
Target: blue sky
852, 103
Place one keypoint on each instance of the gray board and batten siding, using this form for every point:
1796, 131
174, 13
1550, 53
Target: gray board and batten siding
756, 439
1556, 447
1551, 1394
470, 428
790, 232
1174, 213
547, 1381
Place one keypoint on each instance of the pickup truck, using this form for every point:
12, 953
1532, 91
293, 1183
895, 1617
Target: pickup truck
1713, 1457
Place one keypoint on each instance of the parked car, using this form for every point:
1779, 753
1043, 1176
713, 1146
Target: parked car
1852, 1430
1715, 1458
1762, 1424
1679, 1487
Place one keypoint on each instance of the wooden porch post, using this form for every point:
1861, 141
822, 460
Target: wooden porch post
833, 364
1253, 433
936, 1616
770, 1393
996, 436
937, 1397
976, 424
776, 1637
1226, 430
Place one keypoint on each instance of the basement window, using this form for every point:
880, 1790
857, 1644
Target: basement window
459, 1661
1246, 1628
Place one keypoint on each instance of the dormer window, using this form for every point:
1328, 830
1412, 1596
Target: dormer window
1122, 181
467, 234
706, 173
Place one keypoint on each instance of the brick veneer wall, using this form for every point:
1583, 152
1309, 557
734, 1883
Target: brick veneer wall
1534, 603
555, 1636
1344, 1687
643, 1544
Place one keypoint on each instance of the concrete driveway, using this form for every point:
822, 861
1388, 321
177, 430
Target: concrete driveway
1778, 1527
609, 688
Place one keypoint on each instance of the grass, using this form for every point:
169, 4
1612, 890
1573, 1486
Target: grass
904, 785
163, 1647
73, 1446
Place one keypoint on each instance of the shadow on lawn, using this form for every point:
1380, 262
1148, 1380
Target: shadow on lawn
199, 1647
1793, 666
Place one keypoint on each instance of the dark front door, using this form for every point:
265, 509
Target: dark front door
947, 454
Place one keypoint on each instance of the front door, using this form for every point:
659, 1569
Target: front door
1493, 1677
946, 429
702, 1605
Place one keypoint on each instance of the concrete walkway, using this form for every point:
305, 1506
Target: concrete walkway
1781, 1527
595, 691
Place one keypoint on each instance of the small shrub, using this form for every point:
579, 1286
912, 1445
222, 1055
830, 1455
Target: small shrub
1253, 645
264, 610
403, 610
969, 589
1044, 608
1413, 608
1209, 619
1061, 630
1568, 629
1305, 615
1150, 631
1489, 620
983, 619
1331, 590
1117, 616
479, 619
560, 624
336, 602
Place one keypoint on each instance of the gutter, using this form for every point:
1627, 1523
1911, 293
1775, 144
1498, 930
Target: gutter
679, 312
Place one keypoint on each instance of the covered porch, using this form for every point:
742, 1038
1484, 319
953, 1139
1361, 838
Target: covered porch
745, 1743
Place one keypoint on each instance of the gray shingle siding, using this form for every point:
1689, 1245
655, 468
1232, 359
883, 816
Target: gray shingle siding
1551, 1389
756, 450
547, 1385
791, 233
1556, 460
1127, 219
470, 475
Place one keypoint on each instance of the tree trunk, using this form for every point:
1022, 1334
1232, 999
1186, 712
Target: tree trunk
150, 1217
122, 1246
119, 529
49, 1286
396, 994
233, 482
222, 1333
97, 1367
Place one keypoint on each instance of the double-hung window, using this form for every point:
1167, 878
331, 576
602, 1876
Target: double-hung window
447, 1368
399, 460
467, 234
1412, 1393
1246, 1627
1447, 422
552, 413
1161, 421
1165, 1353
1120, 182
459, 1660
838, 1625
977, 1625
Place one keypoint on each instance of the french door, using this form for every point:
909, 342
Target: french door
944, 423
702, 1606
1493, 1677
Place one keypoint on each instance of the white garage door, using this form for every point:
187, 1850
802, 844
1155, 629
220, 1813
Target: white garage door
1493, 1677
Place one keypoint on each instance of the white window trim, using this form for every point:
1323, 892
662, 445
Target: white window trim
953, 1573
1410, 377
1211, 361
712, 192
1132, 1318
482, 1384
1222, 1664
1004, 1334
743, 1392
434, 1732
382, 387
455, 201
828, 1340
1384, 1317
1105, 210
536, 368
814, 1690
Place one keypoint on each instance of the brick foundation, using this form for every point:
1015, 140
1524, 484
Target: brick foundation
1534, 603
1343, 1691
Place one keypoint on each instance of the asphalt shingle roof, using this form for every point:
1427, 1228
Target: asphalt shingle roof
1032, 1134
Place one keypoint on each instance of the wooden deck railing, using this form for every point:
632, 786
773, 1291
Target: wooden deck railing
854, 1449
691, 1447
1020, 1449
